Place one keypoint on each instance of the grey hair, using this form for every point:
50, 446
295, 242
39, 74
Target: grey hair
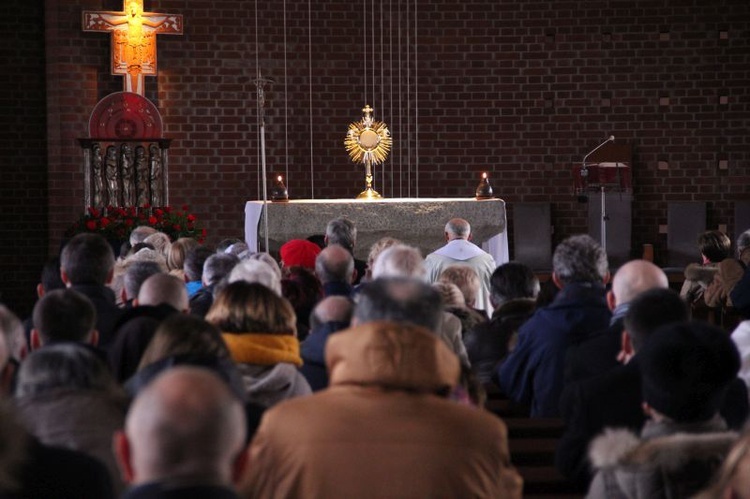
136, 274
458, 228
400, 299
399, 261
218, 266
63, 365
256, 271
343, 232
580, 259
140, 233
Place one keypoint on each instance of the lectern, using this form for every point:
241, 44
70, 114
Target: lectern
608, 173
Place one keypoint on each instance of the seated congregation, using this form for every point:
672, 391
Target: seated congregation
181, 370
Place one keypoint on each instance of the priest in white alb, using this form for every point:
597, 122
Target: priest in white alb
460, 250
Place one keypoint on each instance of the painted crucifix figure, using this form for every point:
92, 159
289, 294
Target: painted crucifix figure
133, 35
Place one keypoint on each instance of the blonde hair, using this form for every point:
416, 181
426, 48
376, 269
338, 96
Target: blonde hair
465, 278
178, 251
243, 307
733, 472
450, 294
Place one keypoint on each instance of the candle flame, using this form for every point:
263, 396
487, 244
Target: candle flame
484, 175
279, 178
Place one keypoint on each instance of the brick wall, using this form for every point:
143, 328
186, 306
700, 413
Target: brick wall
23, 184
520, 89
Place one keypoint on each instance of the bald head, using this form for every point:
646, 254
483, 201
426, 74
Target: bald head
634, 278
164, 288
185, 424
457, 228
333, 264
332, 309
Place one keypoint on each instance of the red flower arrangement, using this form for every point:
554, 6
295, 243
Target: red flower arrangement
117, 223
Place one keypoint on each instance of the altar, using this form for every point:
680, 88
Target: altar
416, 222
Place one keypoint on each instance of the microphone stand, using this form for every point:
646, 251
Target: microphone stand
584, 176
260, 83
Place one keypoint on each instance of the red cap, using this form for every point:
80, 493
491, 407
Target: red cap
299, 252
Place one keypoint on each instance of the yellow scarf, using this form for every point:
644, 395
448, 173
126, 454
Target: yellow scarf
263, 349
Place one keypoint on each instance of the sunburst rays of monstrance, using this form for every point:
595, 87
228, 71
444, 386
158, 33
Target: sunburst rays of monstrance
369, 142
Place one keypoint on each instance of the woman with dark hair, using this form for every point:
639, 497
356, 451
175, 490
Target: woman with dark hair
303, 290
185, 339
259, 329
714, 247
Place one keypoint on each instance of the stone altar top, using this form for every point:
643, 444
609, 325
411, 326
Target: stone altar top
417, 222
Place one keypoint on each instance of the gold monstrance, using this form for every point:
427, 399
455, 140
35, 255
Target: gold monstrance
368, 141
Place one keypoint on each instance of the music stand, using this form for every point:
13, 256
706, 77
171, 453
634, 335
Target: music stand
607, 169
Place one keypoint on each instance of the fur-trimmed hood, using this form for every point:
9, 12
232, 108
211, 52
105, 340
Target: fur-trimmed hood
620, 447
702, 273
673, 463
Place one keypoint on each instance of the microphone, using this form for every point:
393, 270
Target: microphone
582, 197
611, 138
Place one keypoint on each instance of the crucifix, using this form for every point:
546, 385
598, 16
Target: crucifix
133, 34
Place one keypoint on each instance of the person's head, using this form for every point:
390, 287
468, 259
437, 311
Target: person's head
257, 271
632, 279
136, 274
375, 250
238, 249
63, 315
11, 329
513, 281
579, 259
343, 232
714, 245
225, 244
160, 241
743, 242
50, 278
685, 371
399, 261
13, 348
243, 307
331, 309
140, 233
303, 290
465, 278
178, 252
450, 295
335, 264
163, 289
68, 366
87, 259
647, 312
217, 267
265, 258
194, 261
299, 253
185, 425
184, 334
457, 228
399, 299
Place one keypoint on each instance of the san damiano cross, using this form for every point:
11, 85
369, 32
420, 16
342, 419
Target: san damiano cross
133, 34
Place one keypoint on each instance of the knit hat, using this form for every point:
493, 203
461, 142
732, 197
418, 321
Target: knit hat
299, 252
686, 369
